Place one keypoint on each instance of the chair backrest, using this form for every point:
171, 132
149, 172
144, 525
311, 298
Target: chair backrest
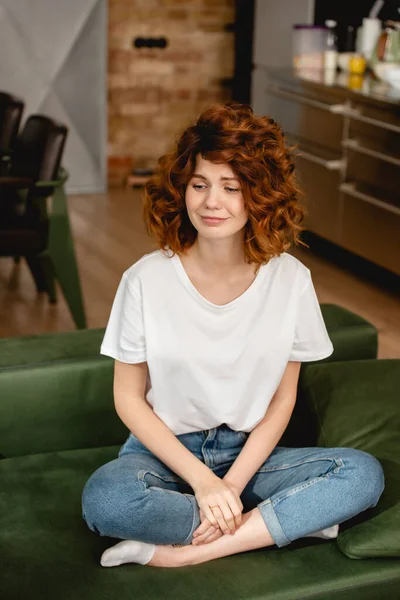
39, 148
11, 109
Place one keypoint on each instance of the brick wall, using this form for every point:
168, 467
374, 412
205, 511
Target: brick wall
155, 92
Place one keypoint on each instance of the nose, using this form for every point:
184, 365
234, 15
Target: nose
212, 201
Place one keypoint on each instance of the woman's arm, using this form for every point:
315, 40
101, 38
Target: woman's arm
265, 436
138, 416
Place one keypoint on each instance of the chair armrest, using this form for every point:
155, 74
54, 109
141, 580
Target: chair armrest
53, 183
5, 162
5, 155
15, 183
19, 183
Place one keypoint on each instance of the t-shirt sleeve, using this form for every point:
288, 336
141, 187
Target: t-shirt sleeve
311, 340
124, 338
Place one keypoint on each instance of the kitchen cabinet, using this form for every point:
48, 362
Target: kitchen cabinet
347, 159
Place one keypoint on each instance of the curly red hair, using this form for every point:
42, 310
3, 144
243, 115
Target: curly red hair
254, 147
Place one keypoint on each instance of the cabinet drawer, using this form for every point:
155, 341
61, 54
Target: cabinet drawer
374, 120
376, 138
321, 198
371, 231
305, 117
374, 171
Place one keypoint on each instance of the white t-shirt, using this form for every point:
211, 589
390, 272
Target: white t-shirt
211, 364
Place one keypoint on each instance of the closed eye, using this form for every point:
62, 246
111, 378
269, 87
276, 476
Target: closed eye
197, 186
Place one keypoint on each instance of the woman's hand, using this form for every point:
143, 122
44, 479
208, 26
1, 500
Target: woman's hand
220, 504
206, 532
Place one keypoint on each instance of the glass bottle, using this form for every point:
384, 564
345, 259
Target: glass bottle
331, 51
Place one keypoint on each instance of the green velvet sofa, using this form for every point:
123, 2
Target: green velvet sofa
58, 424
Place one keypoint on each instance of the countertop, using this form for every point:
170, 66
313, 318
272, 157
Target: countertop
362, 86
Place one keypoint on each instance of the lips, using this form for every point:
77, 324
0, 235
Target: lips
213, 219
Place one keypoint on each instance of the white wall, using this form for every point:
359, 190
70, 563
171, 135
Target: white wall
273, 20
53, 56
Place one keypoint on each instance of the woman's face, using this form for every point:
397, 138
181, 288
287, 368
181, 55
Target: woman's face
215, 191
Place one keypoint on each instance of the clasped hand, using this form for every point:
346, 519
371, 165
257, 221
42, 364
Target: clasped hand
226, 514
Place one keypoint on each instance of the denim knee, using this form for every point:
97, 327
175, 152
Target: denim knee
93, 503
104, 504
368, 476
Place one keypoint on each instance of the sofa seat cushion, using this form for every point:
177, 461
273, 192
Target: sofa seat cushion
357, 406
47, 550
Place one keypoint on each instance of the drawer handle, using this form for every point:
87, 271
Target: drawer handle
354, 145
333, 108
349, 188
331, 165
356, 115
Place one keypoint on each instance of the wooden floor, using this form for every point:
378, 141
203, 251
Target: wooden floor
109, 237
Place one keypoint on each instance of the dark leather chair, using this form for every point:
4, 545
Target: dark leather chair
11, 109
30, 225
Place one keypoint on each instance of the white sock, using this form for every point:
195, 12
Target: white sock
128, 551
326, 534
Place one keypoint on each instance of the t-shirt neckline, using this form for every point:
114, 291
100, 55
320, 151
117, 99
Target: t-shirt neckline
184, 277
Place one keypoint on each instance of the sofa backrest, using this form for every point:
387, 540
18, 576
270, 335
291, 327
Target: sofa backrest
62, 405
49, 347
68, 404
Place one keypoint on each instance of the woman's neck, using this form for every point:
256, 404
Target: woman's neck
218, 257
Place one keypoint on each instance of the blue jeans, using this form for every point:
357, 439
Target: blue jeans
297, 490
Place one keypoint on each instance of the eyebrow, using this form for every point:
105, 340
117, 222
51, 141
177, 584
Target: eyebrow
221, 178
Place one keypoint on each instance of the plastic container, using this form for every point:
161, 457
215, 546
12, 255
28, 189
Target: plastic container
309, 45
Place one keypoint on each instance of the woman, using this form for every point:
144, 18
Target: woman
208, 334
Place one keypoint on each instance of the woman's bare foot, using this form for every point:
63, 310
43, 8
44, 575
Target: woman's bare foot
251, 534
